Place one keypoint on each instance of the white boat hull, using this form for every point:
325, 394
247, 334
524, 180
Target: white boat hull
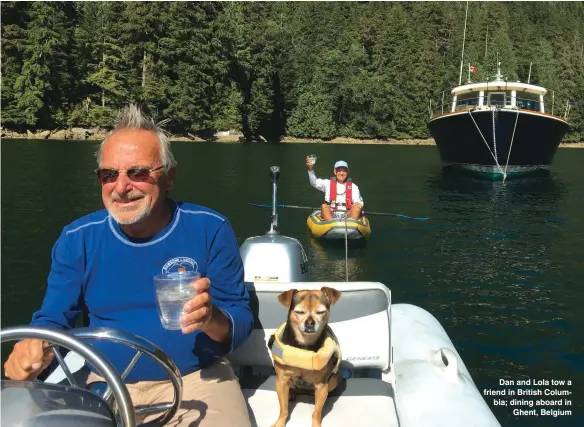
433, 386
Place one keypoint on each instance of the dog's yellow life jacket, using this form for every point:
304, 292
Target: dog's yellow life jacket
306, 359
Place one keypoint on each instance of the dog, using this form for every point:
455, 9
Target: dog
306, 328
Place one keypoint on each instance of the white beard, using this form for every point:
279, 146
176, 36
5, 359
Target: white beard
143, 213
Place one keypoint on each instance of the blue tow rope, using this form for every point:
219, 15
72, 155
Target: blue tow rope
364, 212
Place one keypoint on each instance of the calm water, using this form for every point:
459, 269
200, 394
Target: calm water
499, 265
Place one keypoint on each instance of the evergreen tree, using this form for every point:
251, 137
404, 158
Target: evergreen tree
14, 20
40, 90
106, 83
195, 65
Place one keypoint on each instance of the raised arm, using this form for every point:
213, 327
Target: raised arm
319, 184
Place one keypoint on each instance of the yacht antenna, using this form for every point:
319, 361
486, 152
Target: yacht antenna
498, 76
463, 40
529, 76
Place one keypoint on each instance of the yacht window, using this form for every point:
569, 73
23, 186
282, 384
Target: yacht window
467, 100
528, 101
497, 99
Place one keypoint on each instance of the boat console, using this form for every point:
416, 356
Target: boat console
36, 404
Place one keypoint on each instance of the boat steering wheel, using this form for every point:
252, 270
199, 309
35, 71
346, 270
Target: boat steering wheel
73, 340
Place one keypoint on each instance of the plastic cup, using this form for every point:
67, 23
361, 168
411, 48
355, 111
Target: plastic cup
312, 158
173, 291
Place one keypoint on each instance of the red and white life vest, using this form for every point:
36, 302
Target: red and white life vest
348, 194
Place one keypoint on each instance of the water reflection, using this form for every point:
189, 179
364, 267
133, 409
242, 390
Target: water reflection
457, 193
492, 243
329, 260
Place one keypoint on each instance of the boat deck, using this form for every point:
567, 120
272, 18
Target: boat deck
355, 401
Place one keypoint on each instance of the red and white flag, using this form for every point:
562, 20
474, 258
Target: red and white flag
472, 69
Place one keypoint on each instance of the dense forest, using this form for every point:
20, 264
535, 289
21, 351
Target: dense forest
303, 69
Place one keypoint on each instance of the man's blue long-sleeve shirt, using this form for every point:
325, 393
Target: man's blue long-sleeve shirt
95, 264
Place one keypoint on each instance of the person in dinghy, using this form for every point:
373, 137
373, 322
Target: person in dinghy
340, 193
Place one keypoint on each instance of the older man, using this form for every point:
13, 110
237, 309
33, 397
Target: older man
340, 194
107, 260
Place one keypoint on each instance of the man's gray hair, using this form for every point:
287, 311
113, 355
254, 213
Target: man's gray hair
132, 118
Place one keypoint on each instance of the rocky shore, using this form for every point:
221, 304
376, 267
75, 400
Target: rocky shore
79, 134
97, 134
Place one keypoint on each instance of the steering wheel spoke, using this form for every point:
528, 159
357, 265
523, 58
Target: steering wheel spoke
127, 370
64, 366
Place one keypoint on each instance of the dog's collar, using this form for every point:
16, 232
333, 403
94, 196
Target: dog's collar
306, 359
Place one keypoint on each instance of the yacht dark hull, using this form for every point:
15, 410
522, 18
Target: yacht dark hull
536, 137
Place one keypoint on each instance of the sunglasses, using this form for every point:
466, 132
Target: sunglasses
106, 175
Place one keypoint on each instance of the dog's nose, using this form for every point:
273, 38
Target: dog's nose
309, 324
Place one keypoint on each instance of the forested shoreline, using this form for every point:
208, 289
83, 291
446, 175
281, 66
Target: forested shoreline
307, 70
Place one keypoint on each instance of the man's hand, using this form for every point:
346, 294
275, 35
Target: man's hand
28, 359
201, 314
309, 164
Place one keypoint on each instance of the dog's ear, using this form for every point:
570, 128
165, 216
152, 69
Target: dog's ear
332, 294
285, 298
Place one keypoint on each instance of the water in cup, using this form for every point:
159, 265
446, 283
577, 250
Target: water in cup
173, 291
172, 300
312, 158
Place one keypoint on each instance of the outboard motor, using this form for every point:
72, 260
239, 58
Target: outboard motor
272, 257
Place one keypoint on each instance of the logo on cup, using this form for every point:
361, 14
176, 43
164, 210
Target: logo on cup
180, 264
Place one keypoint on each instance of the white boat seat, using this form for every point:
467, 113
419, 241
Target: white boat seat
361, 322
355, 402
